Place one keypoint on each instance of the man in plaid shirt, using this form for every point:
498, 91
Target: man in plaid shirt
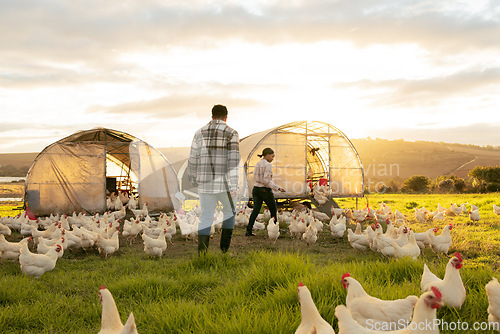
213, 167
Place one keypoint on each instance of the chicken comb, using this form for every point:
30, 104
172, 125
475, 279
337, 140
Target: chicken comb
459, 256
451, 226
102, 287
301, 284
437, 293
346, 275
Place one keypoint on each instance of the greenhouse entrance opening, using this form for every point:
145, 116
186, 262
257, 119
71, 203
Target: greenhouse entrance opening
119, 177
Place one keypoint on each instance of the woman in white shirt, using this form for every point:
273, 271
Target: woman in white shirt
263, 188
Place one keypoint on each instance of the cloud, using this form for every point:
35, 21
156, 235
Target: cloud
429, 91
6, 126
96, 31
173, 106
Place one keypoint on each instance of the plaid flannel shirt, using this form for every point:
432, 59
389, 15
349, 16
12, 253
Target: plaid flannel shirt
214, 158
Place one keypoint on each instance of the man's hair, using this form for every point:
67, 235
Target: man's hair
219, 111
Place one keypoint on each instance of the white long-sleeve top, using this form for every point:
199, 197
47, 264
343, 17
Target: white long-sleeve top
263, 175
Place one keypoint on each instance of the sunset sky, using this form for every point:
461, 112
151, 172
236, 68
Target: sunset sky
416, 70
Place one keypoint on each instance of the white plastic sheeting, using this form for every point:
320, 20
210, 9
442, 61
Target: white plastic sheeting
70, 175
306, 152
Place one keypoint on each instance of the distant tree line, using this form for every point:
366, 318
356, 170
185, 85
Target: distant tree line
10, 170
480, 179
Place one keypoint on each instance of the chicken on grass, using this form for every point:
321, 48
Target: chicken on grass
273, 230
371, 311
423, 320
451, 286
311, 320
37, 264
110, 318
441, 243
493, 292
11, 250
155, 247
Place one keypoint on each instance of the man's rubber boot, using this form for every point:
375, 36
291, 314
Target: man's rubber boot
203, 241
225, 239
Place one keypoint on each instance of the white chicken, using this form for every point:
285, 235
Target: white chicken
440, 208
493, 292
320, 193
155, 247
241, 219
5, 230
141, 212
43, 248
337, 226
358, 241
453, 210
123, 196
411, 249
441, 243
258, 226
451, 286
424, 317
117, 204
422, 238
108, 246
336, 211
110, 318
399, 215
311, 320
359, 215
132, 203
496, 209
11, 250
384, 244
420, 217
310, 235
474, 216
131, 229
273, 230
120, 214
368, 310
87, 238
438, 216
37, 264
52, 232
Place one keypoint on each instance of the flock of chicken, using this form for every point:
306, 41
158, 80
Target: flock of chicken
55, 234
400, 241
362, 313
367, 314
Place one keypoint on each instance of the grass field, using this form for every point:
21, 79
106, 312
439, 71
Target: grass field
253, 291
12, 189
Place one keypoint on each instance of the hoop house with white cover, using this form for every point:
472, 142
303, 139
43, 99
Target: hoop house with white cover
76, 173
306, 153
